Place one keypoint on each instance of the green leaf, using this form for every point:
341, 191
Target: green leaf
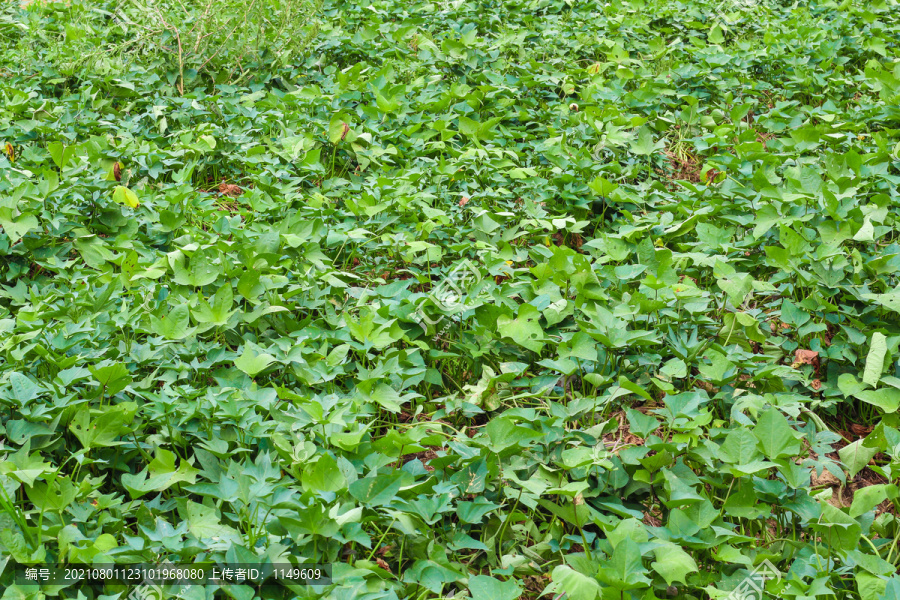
55, 495
875, 359
602, 186
204, 522
473, 512
644, 144
337, 129
673, 563
856, 456
175, 325
736, 286
775, 435
201, 271
125, 196
86, 549
624, 570
647, 254
889, 301
468, 127
112, 378
478, 131
219, 311
24, 390
740, 447
253, 360
16, 227
867, 498
25, 466
504, 432
160, 474
386, 105
386, 397
575, 585
580, 346
792, 314
312, 160
94, 431
377, 491
482, 587
866, 232
887, 399
61, 154
209, 143
837, 529
720, 368
323, 475
849, 385
94, 251
641, 424
525, 329
870, 587
367, 331
674, 368
680, 493
633, 388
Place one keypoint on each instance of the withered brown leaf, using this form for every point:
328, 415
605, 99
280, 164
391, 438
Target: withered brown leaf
806, 357
230, 189
383, 564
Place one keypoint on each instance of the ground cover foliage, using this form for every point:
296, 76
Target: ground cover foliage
225, 337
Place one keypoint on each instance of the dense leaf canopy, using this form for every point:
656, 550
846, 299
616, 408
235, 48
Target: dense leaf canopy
469, 299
